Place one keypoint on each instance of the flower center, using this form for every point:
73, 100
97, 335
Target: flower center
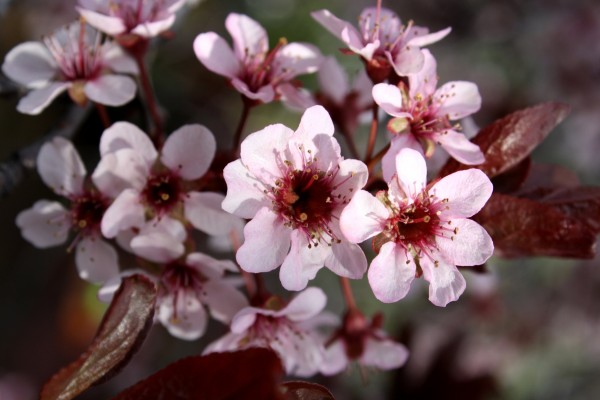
87, 211
162, 192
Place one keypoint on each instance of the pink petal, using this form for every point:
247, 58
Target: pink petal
216, 55
389, 98
38, 99
117, 60
446, 283
96, 260
295, 59
60, 167
203, 210
264, 94
110, 25
424, 40
211, 267
160, 241
46, 224
111, 90
383, 354
244, 192
154, 28
351, 177
335, 359
347, 260
245, 318
467, 192
323, 149
315, 121
399, 142
363, 87
391, 273
457, 99
460, 148
342, 29
189, 151
124, 169
263, 152
124, 213
389, 25
333, 80
223, 300
267, 243
30, 64
124, 135
471, 245
302, 263
295, 98
423, 83
304, 305
183, 315
250, 40
411, 171
409, 60
363, 218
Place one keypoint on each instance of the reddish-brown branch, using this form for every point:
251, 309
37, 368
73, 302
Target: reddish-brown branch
348, 295
376, 158
372, 133
103, 115
237, 138
157, 132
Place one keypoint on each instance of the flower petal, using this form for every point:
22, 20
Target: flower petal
446, 283
457, 99
203, 210
160, 241
335, 359
110, 25
391, 273
30, 64
250, 40
423, 83
383, 354
267, 243
409, 60
154, 28
315, 121
470, 245
389, 98
124, 213
429, 38
216, 55
363, 218
264, 94
342, 29
223, 300
347, 260
399, 142
189, 151
264, 152
123, 169
60, 167
333, 80
96, 260
306, 304
467, 192
411, 171
460, 148
46, 224
244, 192
295, 59
302, 263
38, 99
211, 267
124, 135
111, 90
183, 315
117, 60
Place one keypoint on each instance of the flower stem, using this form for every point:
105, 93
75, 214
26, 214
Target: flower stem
348, 296
377, 157
103, 115
237, 138
372, 133
350, 142
157, 132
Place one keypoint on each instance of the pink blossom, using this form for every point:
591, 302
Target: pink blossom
48, 223
383, 42
286, 330
423, 113
421, 230
294, 186
260, 74
73, 59
362, 341
153, 190
143, 18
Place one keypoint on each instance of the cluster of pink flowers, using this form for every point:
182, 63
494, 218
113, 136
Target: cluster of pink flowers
306, 205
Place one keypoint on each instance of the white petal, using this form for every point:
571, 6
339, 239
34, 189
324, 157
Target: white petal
264, 152
333, 81
124, 213
352, 176
46, 224
111, 90
250, 40
203, 210
399, 142
342, 29
460, 148
347, 260
389, 98
244, 192
295, 59
304, 305
211, 267
244, 319
467, 192
391, 273
302, 263
29, 64
183, 315
315, 121
38, 99
110, 25
411, 171
427, 39
335, 359
223, 300
408, 60
363, 218
124, 135
117, 60
423, 83
189, 151
123, 169
154, 28
60, 167
267, 243
216, 55
96, 260
160, 241
295, 98
446, 283
457, 99
264, 94
384, 354
471, 245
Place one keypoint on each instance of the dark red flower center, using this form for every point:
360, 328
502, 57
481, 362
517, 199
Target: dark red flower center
87, 211
162, 192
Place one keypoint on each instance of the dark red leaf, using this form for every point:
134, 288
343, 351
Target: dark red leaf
123, 329
523, 227
248, 374
549, 175
507, 141
513, 179
299, 390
